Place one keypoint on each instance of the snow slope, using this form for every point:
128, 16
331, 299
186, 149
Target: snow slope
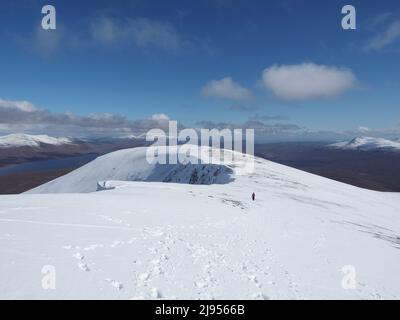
131, 165
367, 144
155, 240
26, 140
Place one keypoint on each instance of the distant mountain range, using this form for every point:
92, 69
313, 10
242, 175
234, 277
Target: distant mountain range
18, 148
367, 144
26, 140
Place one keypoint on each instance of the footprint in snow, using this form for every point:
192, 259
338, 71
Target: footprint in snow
143, 277
164, 257
260, 296
116, 244
78, 256
116, 284
254, 280
155, 293
83, 267
132, 240
157, 270
201, 284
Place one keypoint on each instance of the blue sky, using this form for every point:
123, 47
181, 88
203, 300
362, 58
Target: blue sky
196, 61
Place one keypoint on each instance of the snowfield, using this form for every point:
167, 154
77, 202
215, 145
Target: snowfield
132, 165
150, 239
26, 140
367, 144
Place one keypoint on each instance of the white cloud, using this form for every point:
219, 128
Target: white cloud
159, 117
307, 81
226, 88
363, 129
384, 39
23, 115
25, 106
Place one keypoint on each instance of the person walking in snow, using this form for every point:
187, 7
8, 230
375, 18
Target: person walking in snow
253, 196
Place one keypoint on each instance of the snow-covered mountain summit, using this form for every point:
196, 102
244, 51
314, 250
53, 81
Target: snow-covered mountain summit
26, 140
132, 165
304, 236
367, 144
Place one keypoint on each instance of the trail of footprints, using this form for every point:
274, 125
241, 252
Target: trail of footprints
140, 279
213, 259
265, 272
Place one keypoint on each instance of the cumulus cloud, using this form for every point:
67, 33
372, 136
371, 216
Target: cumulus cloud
307, 81
226, 88
384, 39
18, 115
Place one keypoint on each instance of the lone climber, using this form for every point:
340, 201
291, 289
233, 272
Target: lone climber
253, 196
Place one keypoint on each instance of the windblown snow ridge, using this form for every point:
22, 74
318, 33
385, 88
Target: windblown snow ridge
132, 165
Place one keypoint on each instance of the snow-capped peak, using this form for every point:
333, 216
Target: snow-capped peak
367, 144
26, 140
133, 165
134, 137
